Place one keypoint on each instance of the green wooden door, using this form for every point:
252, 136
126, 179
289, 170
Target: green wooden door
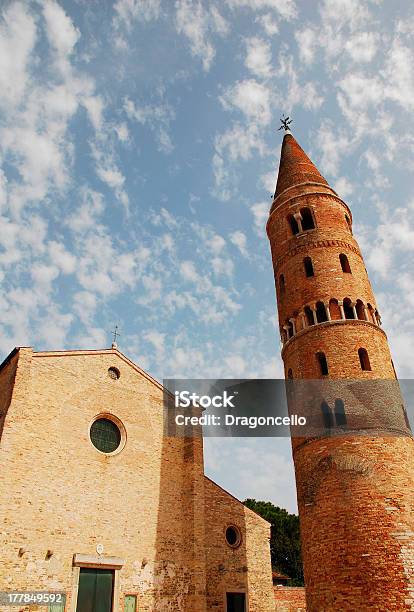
96, 588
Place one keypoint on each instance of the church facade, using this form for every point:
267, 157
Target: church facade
97, 503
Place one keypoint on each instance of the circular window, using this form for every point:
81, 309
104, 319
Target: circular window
114, 373
105, 435
233, 536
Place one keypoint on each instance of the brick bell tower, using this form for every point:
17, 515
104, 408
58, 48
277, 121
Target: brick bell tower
355, 492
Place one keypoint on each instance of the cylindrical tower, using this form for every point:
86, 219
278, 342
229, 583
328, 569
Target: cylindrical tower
355, 492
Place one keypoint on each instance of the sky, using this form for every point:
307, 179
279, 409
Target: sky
138, 153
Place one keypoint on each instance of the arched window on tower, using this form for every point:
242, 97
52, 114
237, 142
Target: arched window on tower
334, 310
364, 359
290, 373
307, 219
309, 315
323, 364
348, 310
289, 329
293, 225
360, 309
327, 416
340, 416
282, 286
348, 221
321, 316
345, 263
307, 262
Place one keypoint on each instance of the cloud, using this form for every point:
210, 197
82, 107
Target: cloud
61, 32
363, 46
17, 40
128, 11
157, 117
197, 23
258, 57
251, 98
260, 212
286, 8
239, 239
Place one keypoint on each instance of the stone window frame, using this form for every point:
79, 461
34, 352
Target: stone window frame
97, 562
229, 589
115, 371
116, 421
238, 532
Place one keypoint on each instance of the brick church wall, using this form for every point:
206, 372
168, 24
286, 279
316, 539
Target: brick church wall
245, 568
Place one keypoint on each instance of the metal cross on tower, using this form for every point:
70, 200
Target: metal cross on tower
285, 121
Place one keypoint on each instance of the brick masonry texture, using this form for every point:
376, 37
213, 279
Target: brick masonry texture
150, 505
290, 599
355, 493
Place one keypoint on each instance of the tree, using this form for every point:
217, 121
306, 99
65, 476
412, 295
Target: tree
284, 539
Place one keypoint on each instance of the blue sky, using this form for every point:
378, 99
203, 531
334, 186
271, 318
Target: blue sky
139, 149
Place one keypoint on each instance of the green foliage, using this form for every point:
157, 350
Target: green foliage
284, 540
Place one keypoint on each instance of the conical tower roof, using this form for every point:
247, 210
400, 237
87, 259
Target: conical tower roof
295, 167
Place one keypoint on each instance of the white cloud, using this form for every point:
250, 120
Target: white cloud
307, 43
194, 21
363, 46
237, 143
17, 39
239, 239
258, 57
260, 212
157, 117
268, 23
63, 259
286, 8
60, 30
251, 98
127, 11
343, 187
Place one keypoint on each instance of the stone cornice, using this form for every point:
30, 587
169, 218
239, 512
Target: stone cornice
311, 328
332, 195
298, 248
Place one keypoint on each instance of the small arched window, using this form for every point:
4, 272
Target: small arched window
364, 359
348, 310
293, 225
323, 364
334, 309
348, 222
321, 315
307, 219
290, 373
309, 316
340, 416
289, 329
326, 415
345, 263
282, 286
359, 306
307, 262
